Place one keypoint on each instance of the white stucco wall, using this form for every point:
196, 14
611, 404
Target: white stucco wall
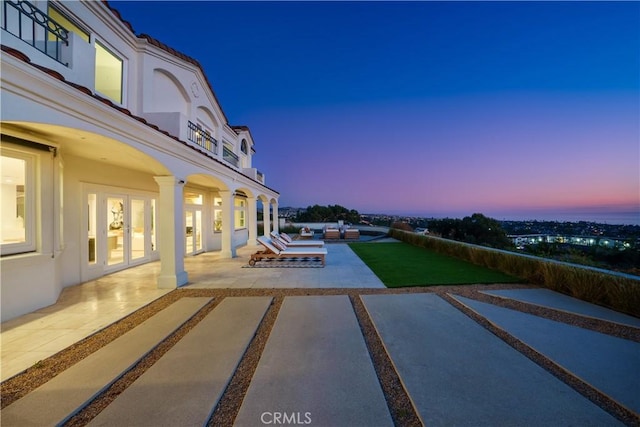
101, 146
28, 284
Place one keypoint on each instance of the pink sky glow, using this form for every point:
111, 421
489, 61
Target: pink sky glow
485, 153
426, 107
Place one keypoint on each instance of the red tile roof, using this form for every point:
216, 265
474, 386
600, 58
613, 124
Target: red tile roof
24, 58
173, 52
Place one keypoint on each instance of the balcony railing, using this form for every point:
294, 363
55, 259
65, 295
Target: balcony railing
230, 157
35, 27
202, 137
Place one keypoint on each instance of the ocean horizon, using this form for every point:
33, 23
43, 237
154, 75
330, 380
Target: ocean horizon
602, 217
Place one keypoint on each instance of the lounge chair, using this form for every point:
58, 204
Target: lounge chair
275, 250
332, 233
290, 243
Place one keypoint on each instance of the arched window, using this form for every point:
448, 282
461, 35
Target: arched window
243, 146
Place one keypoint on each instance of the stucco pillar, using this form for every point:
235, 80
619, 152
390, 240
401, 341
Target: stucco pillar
171, 232
252, 220
266, 217
228, 224
276, 219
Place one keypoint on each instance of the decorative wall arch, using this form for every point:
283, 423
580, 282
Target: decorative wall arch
81, 140
206, 116
168, 94
247, 192
207, 181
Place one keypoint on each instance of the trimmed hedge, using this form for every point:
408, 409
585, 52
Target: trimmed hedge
609, 289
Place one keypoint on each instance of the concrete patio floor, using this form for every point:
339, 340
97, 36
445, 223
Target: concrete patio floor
84, 309
454, 355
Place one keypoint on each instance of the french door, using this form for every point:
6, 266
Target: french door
193, 230
120, 231
126, 232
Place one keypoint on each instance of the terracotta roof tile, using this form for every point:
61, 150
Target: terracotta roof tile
24, 58
13, 52
155, 42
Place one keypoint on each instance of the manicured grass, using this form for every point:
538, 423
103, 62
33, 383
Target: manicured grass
400, 264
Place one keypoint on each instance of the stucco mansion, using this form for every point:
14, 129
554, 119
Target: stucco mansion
115, 153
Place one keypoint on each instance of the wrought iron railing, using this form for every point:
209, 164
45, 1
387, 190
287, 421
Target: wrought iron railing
229, 156
33, 26
202, 137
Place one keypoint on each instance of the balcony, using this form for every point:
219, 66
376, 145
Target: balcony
202, 138
254, 174
230, 157
36, 28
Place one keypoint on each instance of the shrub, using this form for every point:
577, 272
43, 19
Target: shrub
600, 287
399, 225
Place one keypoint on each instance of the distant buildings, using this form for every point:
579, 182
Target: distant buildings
533, 239
115, 152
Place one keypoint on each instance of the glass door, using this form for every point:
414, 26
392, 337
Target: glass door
137, 246
117, 244
193, 230
129, 230
120, 231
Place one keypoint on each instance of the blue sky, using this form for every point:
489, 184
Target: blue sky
430, 108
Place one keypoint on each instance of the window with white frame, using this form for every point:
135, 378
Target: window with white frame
244, 149
228, 154
217, 214
109, 73
18, 201
240, 204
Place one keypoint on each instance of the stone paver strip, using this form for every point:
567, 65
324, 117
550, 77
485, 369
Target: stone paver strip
315, 369
610, 364
550, 299
56, 400
458, 373
184, 386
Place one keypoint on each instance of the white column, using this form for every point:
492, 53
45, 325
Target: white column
266, 215
276, 219
171, 232
252, 220
228, 224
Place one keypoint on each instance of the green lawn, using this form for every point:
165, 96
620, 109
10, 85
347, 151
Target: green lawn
400, 264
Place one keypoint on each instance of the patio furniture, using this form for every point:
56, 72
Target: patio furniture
290, 243
351, 234
306, 233
276, 250
286, 237
331, 233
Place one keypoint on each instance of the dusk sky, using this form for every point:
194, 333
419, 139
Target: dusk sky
513, 109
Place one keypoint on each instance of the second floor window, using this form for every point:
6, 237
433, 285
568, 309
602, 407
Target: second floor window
108, 74
67, 24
